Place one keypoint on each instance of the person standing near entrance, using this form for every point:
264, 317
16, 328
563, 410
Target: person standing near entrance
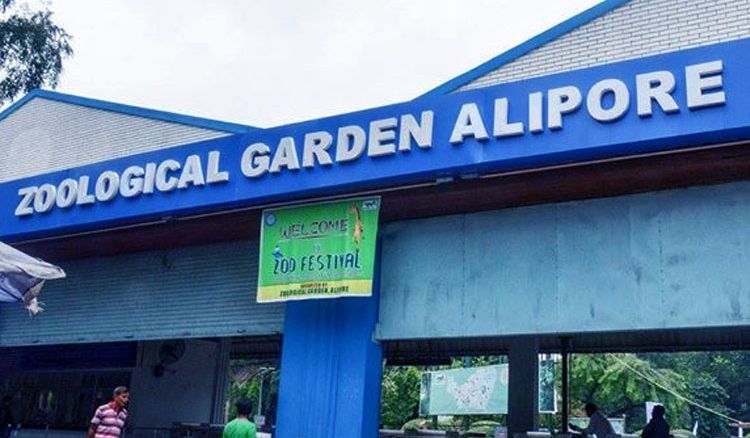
658, 426
240, 427
109, 419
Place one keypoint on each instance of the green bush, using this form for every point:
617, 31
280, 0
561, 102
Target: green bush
485, 426
399, 396
682, 433
415, 424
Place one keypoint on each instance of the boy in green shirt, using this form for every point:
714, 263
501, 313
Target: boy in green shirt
240, 427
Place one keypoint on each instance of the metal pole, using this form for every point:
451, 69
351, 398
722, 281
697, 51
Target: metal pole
565, 389
260, 392
219, 397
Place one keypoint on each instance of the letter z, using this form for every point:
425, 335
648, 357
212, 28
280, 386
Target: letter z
24, 207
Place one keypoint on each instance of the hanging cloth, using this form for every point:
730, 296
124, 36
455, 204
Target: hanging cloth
22, 277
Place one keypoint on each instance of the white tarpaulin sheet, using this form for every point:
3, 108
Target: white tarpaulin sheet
22, 277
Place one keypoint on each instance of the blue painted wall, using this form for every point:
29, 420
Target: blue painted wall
670, 259
582, 138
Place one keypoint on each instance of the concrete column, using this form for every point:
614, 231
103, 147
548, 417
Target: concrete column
523, 385
330, 370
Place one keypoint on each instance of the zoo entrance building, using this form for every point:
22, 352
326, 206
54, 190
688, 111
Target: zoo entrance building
585, 191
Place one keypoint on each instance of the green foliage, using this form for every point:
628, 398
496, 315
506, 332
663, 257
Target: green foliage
251, 391
610, 382
399, 396
716, 380
705, 390
485, 427
682, 433
415, 424
32, 49
732, 372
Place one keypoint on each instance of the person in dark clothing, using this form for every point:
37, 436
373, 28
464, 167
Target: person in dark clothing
658, 426
6, 417
599, 425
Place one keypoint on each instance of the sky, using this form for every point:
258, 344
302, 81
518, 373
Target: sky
268, 63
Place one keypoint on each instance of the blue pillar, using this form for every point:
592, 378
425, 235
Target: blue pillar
330, 369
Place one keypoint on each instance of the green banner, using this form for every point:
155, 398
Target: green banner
318, 251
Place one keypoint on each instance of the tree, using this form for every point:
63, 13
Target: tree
251, 389
400, 395
704, 389
718, 381
616, 384
32, 50
732, 372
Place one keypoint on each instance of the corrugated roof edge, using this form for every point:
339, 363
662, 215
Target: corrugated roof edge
526, 47
164, 116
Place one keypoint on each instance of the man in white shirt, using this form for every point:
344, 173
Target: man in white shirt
598, 423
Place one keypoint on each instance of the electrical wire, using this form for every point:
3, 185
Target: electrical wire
670, 391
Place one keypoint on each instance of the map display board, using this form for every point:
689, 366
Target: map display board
464, 391
480, 390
